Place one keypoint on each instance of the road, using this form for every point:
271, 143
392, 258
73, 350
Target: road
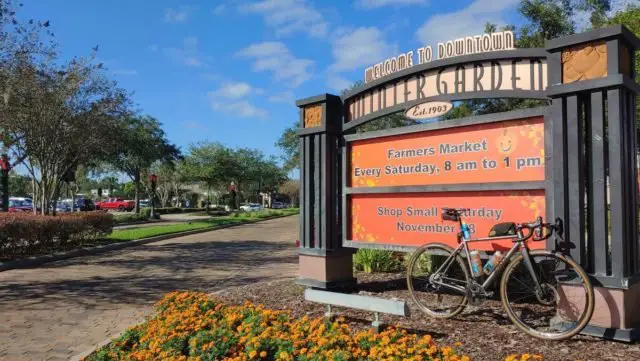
61, 309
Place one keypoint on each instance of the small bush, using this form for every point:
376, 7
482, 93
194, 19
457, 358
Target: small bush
375, 260
121, 218
174, 210
24, 234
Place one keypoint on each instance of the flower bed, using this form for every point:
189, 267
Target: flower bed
191, 326
23, 234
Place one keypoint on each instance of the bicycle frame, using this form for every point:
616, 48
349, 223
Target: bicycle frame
519, 244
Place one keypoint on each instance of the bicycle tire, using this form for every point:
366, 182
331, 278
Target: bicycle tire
412, 262
582, 321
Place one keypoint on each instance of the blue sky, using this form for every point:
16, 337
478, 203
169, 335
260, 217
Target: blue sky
231, 70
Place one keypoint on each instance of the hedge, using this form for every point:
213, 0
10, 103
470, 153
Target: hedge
173, 210
23, 234
131, 217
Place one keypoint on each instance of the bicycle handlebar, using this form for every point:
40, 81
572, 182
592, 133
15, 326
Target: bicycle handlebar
536, 229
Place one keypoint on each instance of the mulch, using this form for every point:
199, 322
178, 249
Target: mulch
484, 331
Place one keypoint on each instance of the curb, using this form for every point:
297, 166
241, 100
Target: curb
39, 260
108, 340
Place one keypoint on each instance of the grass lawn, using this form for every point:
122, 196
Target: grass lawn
145, 232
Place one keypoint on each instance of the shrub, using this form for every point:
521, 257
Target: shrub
24, 234
121, 218
375, 260
174, 210
192, 326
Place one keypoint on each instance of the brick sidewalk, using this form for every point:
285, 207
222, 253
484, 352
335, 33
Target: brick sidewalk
64, 308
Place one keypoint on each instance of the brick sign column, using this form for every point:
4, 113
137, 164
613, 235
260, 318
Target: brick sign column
323, 261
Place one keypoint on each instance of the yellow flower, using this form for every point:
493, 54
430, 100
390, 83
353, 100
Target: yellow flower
253, 353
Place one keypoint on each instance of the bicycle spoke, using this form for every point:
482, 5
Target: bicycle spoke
553, 310
436, 293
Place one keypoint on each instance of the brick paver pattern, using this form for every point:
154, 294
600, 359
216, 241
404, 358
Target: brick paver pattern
61, 309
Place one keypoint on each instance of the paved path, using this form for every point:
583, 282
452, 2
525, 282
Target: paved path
64, 308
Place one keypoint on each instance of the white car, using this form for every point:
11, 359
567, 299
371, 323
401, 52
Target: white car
251, 207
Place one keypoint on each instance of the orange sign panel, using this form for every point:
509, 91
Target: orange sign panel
415, 219
508, 151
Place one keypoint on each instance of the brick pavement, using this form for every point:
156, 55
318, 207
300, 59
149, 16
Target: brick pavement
60, 309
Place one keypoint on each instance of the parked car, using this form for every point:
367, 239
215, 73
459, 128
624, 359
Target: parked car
81, 205
277, 205
116, 204
20, 204
251, 207
144, 203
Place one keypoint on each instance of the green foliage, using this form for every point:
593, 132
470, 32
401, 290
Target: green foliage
19, 185
143, 142
289, 143
547, 19
630, 18
375, 260
122, 218
217, 166
222, 339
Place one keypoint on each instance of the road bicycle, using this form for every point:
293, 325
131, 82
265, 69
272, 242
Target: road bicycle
545, 293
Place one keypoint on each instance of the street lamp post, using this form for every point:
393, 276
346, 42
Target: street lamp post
154, 180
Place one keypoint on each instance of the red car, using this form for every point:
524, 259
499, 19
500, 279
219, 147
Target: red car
118, 204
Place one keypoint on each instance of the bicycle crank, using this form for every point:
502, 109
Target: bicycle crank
476, 294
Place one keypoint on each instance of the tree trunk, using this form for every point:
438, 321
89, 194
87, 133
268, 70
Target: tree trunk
36, 196
136, 183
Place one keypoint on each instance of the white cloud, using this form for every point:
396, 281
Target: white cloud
188, 54
178, 15
275, 57
234, 90
468, 21
241, 108
289, 16
373, 4
357, 48
153, 48
338, 83
231, 98
219, 9
124, 72
284, 97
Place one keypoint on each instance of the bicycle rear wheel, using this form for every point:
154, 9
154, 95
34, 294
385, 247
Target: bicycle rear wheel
431, 297
564, 305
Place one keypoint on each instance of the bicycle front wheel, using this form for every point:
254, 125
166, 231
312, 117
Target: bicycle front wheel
437, 280
561, 307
